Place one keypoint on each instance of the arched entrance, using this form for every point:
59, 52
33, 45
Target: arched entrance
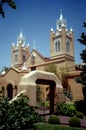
9, 91
29, 82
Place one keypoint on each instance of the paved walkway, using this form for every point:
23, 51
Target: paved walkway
64, 120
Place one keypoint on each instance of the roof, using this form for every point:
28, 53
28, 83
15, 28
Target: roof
40, 55
11, 68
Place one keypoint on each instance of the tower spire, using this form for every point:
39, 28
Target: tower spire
20, 38
61, 16
61, 22
21, 35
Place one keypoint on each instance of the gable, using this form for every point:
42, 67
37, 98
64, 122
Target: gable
11, 74
35, 58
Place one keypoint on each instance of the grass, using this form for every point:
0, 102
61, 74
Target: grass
45, 126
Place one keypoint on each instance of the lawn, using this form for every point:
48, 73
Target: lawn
46, 126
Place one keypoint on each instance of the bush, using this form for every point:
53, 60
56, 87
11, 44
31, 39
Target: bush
79, 115
66, 109
74, 122
18, 114
53, 119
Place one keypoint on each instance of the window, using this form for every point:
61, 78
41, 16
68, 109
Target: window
68, 46
33, 59
33, 68
24, 58
10, 91
16, 58
57, 46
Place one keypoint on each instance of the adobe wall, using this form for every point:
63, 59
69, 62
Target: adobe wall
28, 83
76, 88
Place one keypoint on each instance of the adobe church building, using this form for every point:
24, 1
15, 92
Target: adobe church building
25, 62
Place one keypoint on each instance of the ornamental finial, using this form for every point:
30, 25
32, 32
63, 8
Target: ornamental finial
61, 16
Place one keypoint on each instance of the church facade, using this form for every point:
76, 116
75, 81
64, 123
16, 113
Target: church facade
23, 60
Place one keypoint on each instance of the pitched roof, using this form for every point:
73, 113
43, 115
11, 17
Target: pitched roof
40, 55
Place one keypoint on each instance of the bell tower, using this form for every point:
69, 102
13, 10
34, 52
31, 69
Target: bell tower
20, 51
62, 42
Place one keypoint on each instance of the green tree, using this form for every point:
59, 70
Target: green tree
82, 78
51, 68
4, 106
4, 69
11, 3
64, 79
39, 93
62, 75
18, 114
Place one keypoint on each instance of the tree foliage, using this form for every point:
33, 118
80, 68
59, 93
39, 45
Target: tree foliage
17, 115
62, 75
65, 109
82, 78
51, 68
11, 3
82, 39
4, 69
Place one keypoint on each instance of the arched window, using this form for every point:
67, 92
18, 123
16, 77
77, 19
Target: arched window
57, 46
68, 46
24, 58
33, 58
16, 58
10, 91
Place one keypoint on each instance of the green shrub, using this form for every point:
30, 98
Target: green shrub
79, 115
74, 122
53, 119
18, 114
66, 109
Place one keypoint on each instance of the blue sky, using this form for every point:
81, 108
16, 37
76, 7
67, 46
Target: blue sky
35, 18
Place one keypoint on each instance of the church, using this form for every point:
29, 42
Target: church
24, 61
